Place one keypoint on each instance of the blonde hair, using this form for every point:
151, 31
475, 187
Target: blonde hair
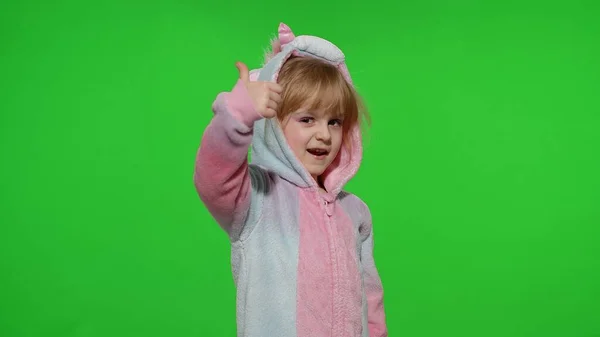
315, 84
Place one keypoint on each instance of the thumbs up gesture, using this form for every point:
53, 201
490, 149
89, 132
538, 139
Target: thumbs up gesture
266, 96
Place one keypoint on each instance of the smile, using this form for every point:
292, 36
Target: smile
318, 153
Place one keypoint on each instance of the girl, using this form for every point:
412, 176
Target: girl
302, 249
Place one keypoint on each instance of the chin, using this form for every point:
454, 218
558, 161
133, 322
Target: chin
316, 172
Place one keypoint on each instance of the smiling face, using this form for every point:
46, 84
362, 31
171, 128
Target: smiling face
315, 137
318, 110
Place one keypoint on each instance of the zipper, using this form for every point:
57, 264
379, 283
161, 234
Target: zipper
337, 310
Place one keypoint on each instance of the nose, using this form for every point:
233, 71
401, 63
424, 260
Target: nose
323, 133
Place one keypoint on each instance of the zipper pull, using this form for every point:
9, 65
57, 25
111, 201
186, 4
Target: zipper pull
328, 208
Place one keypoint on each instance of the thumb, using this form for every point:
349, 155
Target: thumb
244, 73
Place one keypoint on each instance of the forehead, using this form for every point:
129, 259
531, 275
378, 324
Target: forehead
324, 105
321, 99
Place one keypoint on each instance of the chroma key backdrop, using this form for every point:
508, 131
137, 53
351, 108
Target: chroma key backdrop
481, 169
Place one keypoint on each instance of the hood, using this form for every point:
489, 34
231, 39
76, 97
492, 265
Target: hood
270, 149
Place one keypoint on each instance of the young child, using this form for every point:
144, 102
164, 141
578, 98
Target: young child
302, 249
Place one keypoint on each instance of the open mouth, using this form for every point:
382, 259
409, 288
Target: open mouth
319, 153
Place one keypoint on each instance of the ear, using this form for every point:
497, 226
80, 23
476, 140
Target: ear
285, 34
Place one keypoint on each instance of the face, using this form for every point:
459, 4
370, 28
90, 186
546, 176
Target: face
315, 137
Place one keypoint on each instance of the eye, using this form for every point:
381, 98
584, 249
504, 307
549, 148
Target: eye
306, 120
336, 122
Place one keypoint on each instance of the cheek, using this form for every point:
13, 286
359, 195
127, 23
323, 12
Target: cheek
337, 138
294, 138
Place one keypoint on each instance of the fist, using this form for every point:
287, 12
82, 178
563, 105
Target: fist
266, 96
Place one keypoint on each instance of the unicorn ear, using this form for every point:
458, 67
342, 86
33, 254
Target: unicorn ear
285, 34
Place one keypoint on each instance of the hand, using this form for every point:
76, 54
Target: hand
266, 96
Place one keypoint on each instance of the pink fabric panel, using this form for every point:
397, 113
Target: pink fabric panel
329, 297
221, 174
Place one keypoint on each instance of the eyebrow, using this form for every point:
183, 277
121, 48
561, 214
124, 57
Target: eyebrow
304, 113
319, 115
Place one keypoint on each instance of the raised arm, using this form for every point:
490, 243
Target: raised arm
222, 176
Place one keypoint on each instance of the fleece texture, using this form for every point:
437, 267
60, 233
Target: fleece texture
302, 260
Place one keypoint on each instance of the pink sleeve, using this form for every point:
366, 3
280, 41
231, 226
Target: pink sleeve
373, 288
222, 177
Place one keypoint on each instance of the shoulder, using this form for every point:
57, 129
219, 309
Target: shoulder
355, 202
357, 209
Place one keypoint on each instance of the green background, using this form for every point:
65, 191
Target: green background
481, 169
